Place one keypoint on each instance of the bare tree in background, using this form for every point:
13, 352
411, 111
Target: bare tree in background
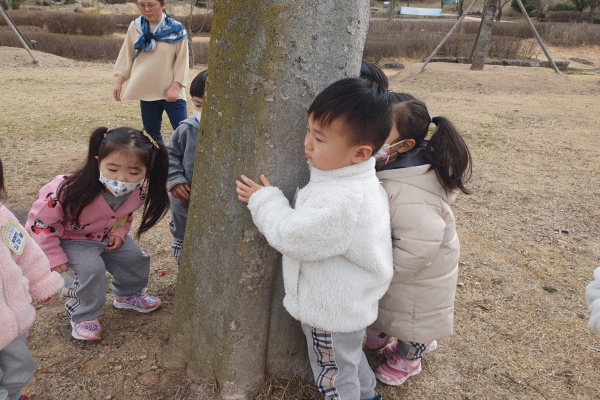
392, 9
191, 29
485, 35
593, 5
502, 4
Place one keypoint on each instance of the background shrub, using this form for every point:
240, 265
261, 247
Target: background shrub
417, 39
91, 24
84, 48
566, 16
528, 4
562, 7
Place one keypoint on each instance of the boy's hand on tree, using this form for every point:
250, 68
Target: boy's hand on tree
249, 187
60, 268
114, 243
181, 191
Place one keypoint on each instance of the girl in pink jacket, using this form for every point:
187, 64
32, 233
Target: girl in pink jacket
25, 276
82, 223
422, 178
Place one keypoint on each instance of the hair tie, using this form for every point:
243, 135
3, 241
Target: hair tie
430, 120
390, 91
150, 138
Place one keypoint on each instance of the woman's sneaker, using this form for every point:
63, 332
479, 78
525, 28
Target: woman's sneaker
376, 339
392, 348
139, 302
397, 369
86, 330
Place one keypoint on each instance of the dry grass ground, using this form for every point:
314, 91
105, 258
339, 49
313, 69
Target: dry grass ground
529, 234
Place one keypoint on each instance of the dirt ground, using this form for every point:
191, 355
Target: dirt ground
529, 234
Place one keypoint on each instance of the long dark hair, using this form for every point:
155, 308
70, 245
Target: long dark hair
81, 189
2, 190
446, 150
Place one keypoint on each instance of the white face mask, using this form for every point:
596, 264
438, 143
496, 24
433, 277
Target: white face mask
382, 153
197, 114
119, 188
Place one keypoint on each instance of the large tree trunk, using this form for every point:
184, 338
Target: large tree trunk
593, 4
267, 62
485, 35
392, 9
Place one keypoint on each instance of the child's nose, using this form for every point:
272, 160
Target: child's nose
307, 142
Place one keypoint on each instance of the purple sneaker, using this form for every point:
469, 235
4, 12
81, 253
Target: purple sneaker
139, 302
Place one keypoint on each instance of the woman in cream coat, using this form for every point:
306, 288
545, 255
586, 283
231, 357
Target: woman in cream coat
155, 59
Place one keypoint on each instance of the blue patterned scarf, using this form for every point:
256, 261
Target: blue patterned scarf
168, 30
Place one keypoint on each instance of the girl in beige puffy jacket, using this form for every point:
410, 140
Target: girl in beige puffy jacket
422, 179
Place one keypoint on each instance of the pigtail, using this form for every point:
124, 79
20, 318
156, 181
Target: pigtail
80, 189
449, 156
157, 198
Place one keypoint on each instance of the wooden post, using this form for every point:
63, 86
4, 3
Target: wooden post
21, 39
446, 38
537, 36
392, 8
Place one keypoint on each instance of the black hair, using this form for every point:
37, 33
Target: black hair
363, 106
373, 73
2, 190
400, 97
81, 189
446, 150
197, 86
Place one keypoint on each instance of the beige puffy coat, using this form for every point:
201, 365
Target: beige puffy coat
419, 304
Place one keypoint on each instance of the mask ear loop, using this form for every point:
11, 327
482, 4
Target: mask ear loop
395, 144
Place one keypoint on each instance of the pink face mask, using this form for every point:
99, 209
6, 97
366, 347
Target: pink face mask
382, 153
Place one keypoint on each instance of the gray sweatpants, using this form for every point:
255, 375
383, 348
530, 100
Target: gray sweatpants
17, 366
86, 283
339, 365
177, 224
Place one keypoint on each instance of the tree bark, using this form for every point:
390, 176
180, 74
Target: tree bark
485, 35
268, 59
593, 5
392, 9
461, 4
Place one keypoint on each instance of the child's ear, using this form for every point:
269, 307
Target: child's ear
408, 145
363, 153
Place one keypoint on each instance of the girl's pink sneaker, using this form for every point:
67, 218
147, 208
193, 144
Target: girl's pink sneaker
397, 369
392, 348
376, 339
86, 330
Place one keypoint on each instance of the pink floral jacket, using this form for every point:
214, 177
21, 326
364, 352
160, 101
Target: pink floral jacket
23, 278
47, 223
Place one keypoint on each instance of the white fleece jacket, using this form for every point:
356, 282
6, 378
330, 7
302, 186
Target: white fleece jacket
336, 246
592, 297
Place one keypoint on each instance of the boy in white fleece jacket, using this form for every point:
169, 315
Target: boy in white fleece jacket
336, 242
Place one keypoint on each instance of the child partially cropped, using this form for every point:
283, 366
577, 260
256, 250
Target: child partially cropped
25, 276
182, 148
336, 242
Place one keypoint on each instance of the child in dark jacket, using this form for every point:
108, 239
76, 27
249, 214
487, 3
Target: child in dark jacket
182, 148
